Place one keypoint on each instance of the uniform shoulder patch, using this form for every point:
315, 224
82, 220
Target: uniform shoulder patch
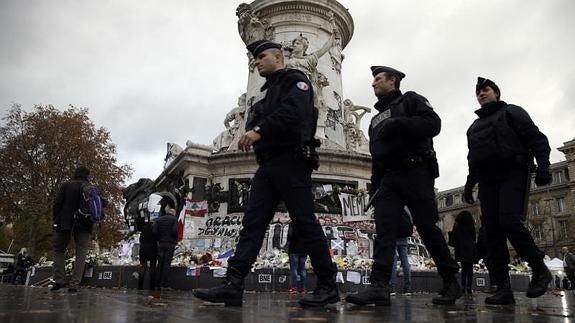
302, 86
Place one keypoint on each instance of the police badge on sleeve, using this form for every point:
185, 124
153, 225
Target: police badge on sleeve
302, 86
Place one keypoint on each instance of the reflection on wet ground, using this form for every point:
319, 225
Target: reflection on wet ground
33, 304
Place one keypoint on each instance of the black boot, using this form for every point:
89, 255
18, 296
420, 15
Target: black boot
450, 292
378, 294
230, 293
503, 295
539, 281
325, 293
492, 289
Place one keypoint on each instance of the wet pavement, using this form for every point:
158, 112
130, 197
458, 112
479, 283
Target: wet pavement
20, 304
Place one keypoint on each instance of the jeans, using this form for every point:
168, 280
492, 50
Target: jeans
297, 268
402, 251
165, 256
81, 243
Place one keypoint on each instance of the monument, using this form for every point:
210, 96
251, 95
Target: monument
216, 179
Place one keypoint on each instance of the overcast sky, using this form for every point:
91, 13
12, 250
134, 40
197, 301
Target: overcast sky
153, 72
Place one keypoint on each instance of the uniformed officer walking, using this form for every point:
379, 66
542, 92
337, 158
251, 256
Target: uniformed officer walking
281, 129
502, 143
404, 169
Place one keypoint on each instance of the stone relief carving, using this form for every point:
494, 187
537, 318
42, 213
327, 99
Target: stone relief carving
233, 122
251, 27
354, 138
335, 52
297, 58
173, 150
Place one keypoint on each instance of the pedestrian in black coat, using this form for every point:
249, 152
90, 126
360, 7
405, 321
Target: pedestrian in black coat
462, 239
148, 255
165, 230
67, 225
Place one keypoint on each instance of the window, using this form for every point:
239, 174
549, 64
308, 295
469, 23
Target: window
457, 199
563, 229
538, 232
535, 208
558, 177
441, 202
560, 205
449, 200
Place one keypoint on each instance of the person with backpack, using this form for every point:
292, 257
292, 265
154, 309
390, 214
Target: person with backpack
502, 143
76, 206
165, 230
23, 263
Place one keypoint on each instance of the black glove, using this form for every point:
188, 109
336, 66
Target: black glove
468, 194
543, 176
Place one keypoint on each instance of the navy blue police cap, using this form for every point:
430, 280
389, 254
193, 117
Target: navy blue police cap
483, 82
260, 45
378, 69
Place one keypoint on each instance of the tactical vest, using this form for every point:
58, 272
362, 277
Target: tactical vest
492, 141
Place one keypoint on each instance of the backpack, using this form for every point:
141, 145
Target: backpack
90, 203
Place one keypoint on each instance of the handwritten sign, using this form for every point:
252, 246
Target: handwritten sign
352, 207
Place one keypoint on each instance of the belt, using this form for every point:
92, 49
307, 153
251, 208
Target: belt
407, 162
267, 156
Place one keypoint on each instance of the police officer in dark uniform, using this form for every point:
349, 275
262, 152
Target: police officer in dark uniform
281, 129
404, 169
502, 143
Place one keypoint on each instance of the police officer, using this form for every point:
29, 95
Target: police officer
502, 143
404, 169
280, 128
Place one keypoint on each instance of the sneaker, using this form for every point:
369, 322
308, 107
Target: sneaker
303, 291
292, 290
407, 292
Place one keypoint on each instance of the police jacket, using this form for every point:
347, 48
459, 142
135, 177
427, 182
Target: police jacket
402, 129
66, 204
504, 137
286, 115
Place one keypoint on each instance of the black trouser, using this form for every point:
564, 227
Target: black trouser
165, 256
467, 275
571, 277
502, 202
23, 273
285, 178
411, 187
148, 266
